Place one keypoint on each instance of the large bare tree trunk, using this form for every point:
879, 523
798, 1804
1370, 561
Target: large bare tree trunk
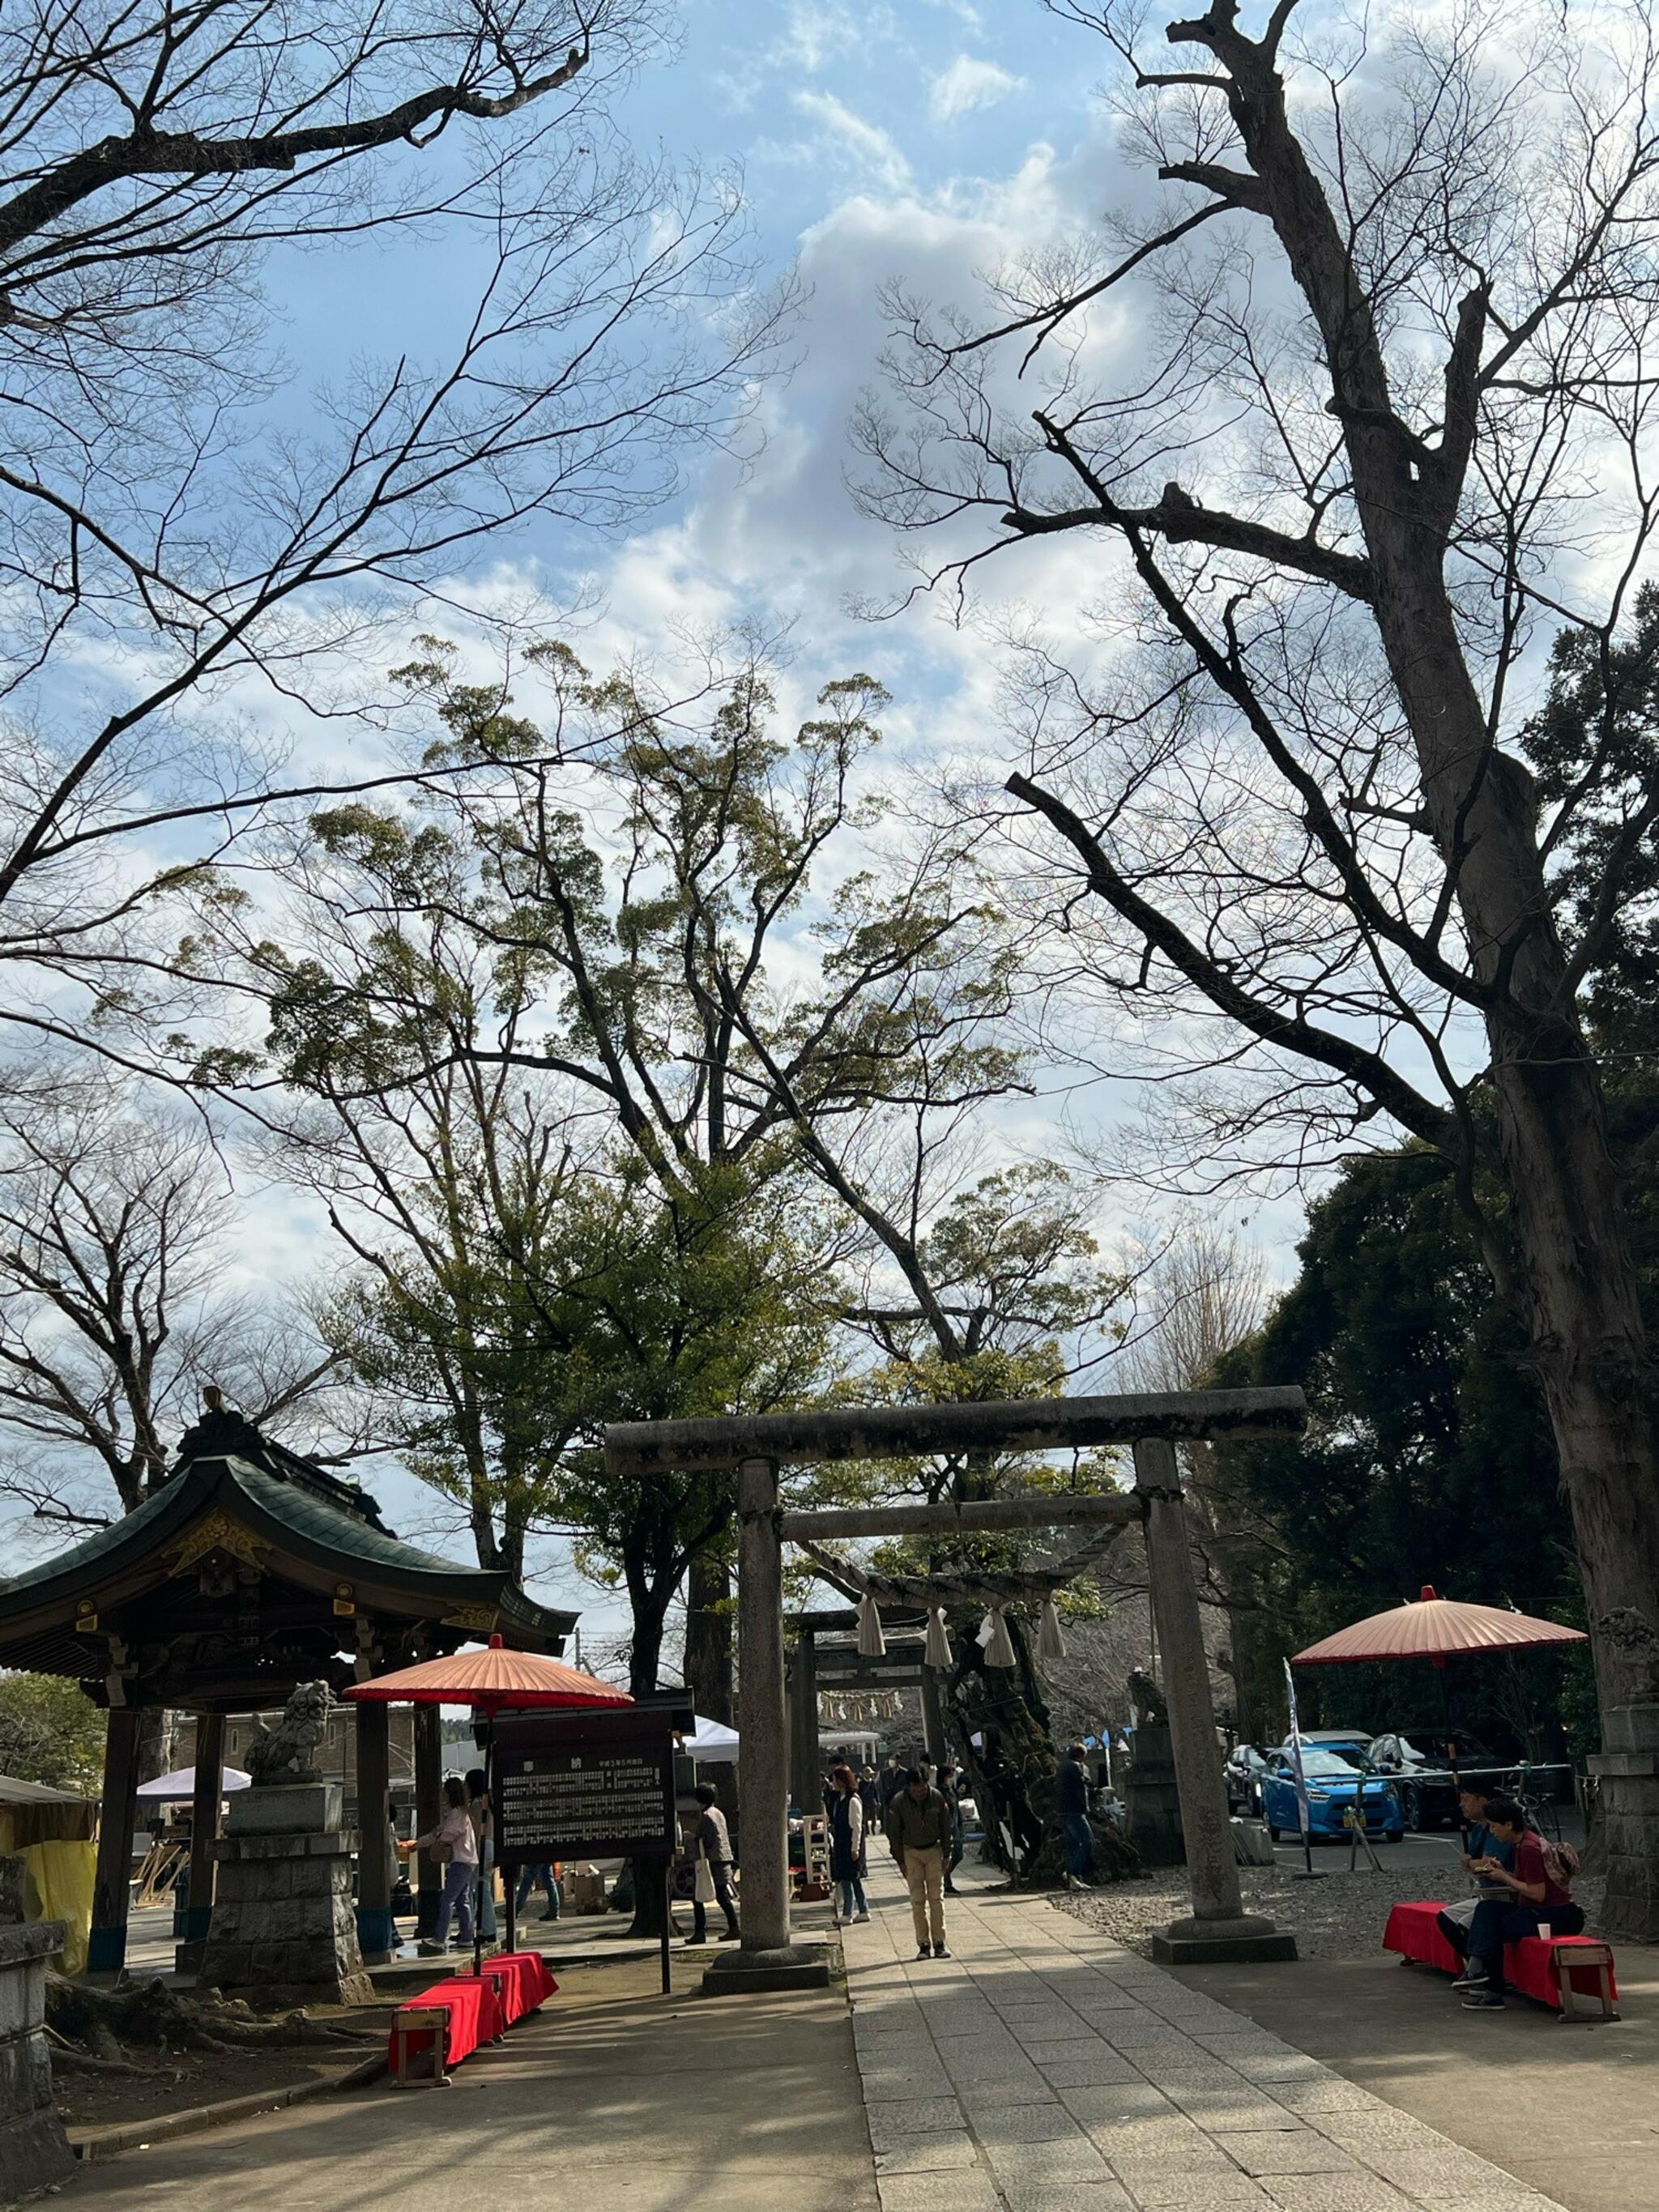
1578, 1285
709, 1638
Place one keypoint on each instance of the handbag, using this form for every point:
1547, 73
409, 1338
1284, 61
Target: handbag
1462, 1912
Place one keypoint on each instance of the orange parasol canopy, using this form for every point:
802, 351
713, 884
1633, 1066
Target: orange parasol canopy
1431, 1627
491, 1681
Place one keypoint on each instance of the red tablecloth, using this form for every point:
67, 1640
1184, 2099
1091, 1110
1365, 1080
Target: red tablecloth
475, 2017
1528, 1966
1414, 1931
522, 1982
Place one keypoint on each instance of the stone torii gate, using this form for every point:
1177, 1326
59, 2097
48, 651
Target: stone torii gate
1152, 1424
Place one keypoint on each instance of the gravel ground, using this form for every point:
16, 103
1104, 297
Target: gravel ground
1339, 1917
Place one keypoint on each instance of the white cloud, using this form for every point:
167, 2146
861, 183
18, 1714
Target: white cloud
967, 84
865, 147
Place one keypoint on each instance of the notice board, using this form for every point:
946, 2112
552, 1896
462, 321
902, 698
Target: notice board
590, 1786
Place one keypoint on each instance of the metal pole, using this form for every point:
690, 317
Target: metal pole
1220, 1926
667, 1927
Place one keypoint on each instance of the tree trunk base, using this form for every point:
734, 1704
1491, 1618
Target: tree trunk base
1628, 1827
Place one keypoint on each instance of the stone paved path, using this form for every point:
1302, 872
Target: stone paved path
1044, 2068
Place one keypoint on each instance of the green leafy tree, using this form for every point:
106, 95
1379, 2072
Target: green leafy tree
1428, 1456
50, 1733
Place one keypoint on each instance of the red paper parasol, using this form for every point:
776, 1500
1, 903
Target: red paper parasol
1434, 1628
491, 1681
1437, 1628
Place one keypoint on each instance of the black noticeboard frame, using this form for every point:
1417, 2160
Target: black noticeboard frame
554, 1743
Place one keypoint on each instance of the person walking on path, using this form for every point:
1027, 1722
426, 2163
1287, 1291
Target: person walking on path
846, 1844
1072, 1796
950, 1787
477, 1804
540, 1876
870, 1798
714, 1860
891, 1781
1528, 1898
453, 1843
919, 1830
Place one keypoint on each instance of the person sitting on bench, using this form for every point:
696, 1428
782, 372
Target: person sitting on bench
1478, 1843
1528, 1899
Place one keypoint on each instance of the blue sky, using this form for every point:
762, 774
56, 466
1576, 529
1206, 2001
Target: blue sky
919, 141
923, 141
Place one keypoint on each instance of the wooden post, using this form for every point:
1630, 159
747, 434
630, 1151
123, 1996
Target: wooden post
111, 1893
1219, 1928
766, 1959
377, 1933
429, 1789
806, 1776
205, 1823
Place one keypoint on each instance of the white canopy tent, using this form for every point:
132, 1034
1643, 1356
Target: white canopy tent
712, 1743
181, 1784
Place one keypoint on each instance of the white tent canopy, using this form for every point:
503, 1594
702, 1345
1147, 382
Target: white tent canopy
181, 1784
712, 1744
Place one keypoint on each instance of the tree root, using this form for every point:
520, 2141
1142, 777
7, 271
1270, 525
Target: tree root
105, 2025
68, 2057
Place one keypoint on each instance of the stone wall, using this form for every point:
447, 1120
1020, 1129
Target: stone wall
34, 2153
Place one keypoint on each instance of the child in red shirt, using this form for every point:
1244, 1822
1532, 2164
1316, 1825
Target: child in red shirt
1535, 1901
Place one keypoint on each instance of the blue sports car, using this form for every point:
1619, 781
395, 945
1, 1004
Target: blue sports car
1334, 1784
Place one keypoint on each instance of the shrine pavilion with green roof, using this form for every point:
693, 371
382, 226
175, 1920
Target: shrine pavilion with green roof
250, 1569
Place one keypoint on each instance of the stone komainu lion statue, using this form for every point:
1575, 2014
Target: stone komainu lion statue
285, 1754
1146, 1697
1631, 1632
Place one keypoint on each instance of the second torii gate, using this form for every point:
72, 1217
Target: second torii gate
1152, 1423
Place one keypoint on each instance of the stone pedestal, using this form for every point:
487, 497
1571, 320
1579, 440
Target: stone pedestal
34, 2153
1153, 1825
284, 1929
1628, 1770
751, 1974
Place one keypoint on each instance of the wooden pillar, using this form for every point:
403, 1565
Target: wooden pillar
111, 1893
1219, 1927
428, 1789
806, 1773
762, 1752
205, 1823
377, 1934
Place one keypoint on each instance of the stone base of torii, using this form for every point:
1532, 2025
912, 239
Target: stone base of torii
1218, 1926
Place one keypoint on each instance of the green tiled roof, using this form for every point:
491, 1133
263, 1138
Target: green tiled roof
328, 1533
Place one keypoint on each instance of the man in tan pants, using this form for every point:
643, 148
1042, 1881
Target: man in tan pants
919, 1830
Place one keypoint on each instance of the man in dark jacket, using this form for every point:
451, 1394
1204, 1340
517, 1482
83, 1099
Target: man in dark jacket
919, 1830
1072, 1795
